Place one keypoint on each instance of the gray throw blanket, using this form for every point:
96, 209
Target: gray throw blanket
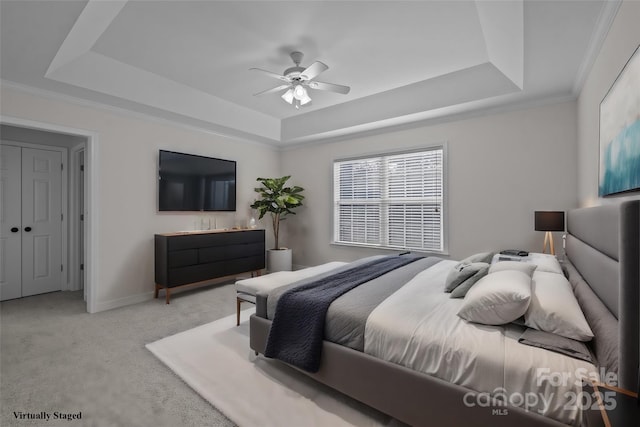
556, 343
297, 330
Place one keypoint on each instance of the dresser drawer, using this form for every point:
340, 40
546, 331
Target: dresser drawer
219, 253
182, 259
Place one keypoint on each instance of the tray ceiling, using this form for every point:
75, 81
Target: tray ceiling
404, 61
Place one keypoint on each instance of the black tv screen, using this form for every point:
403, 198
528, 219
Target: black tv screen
195, 183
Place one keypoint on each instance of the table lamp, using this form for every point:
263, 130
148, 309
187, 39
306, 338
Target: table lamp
549, 221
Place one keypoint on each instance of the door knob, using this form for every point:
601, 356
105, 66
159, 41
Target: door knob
27, 229
14, 229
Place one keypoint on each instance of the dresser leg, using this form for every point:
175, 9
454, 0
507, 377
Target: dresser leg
157, 289
167, 294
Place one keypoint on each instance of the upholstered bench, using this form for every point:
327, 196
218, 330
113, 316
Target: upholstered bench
246, 289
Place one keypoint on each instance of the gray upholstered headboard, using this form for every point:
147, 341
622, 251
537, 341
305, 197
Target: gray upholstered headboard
603, 243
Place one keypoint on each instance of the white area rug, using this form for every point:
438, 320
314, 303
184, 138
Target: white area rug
216, 361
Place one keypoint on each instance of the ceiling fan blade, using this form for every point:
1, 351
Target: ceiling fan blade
313, 70
275, 75
330, 87
273, 90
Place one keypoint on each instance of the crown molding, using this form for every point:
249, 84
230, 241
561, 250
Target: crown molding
605, 20
446, 118
286, 146
128, 113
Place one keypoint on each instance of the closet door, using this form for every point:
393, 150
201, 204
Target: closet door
10, 223
41, 221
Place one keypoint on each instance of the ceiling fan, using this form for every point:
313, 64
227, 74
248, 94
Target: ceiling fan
297, 79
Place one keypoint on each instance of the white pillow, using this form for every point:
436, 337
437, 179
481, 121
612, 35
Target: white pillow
554, 307
524, 267
546, 262
497, 298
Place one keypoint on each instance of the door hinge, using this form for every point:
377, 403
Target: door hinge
61, 267
81, 217
82, 267
82, 168
61, 217
61, 166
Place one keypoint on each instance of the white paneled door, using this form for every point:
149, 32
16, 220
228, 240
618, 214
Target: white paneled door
31, 254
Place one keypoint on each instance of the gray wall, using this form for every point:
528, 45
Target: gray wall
125, 169
623, 38
501, 169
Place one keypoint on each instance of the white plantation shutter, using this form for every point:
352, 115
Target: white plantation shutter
392, 201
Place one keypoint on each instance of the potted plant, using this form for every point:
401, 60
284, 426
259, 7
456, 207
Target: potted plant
279, 201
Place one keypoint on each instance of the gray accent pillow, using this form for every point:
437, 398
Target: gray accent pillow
461, 272
480, 270
556, 343
479, 257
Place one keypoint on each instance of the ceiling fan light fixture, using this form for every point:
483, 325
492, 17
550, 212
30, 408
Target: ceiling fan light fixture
299, 80
305, 100
288, 96
300, 93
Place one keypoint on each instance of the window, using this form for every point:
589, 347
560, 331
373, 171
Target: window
392, 200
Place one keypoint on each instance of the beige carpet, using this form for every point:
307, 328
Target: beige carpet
54, 356
216, 361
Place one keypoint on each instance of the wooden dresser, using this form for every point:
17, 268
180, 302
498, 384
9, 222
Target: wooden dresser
189, 258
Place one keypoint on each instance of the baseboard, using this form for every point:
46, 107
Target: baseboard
121, 302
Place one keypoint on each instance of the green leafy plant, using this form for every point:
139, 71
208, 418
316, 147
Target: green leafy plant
277, 200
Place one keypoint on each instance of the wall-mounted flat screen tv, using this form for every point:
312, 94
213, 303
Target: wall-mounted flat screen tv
195, 183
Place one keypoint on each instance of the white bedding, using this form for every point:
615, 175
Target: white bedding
418, 327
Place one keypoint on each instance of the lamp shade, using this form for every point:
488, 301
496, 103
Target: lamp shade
549, 220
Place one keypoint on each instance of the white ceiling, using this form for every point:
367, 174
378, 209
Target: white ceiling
405, 62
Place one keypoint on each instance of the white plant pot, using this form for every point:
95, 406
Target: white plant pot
278, 260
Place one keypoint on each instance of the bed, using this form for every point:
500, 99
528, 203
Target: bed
603, 268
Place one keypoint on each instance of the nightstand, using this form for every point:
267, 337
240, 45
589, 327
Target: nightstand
610, 406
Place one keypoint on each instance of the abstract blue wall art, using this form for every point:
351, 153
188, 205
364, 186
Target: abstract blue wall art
620, 132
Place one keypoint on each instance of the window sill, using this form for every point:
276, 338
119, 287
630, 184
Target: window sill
390, 249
